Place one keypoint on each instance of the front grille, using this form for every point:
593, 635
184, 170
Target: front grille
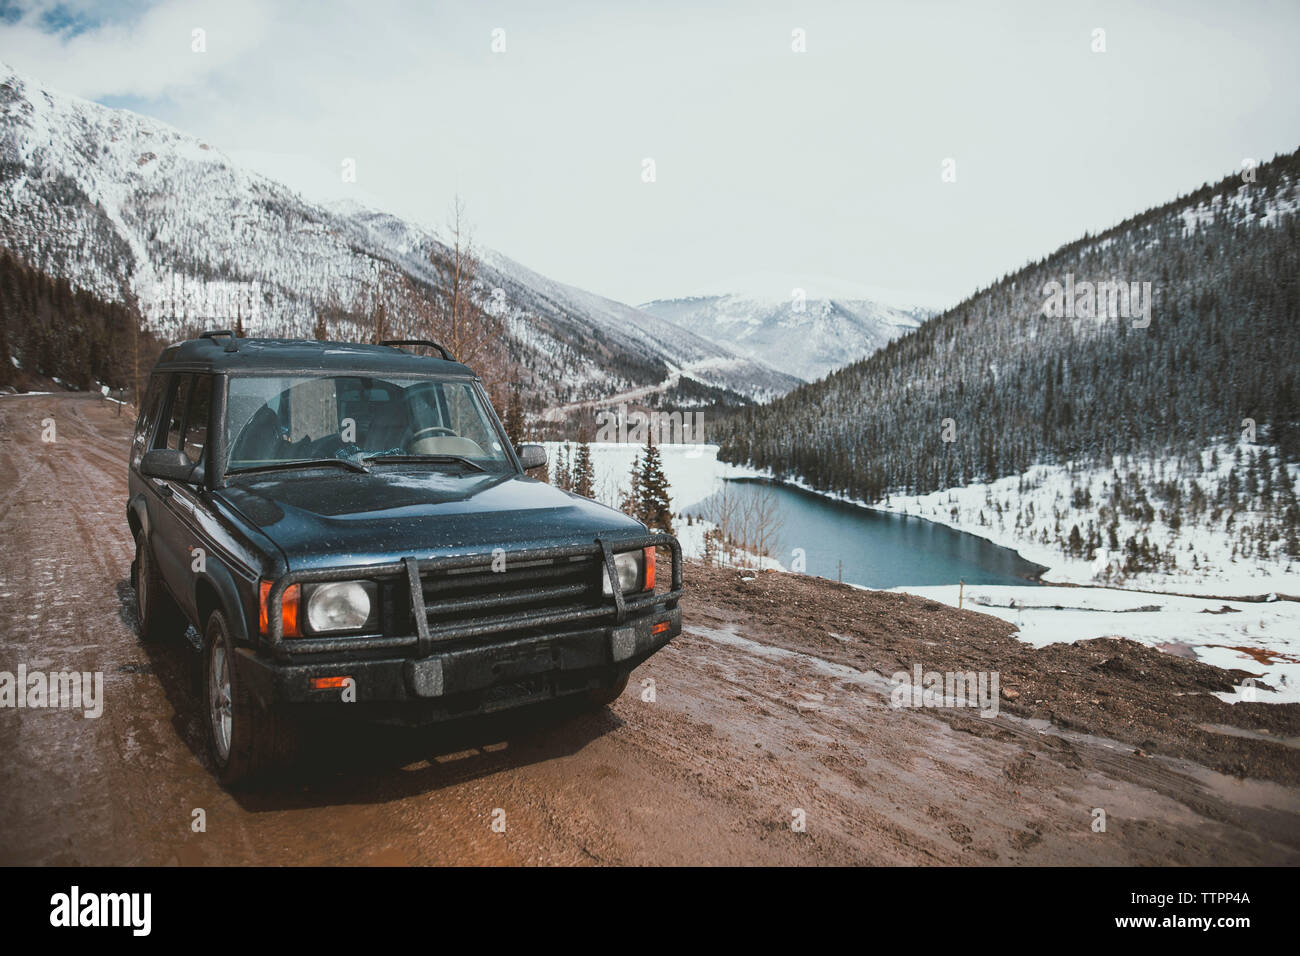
489, 601
537, 585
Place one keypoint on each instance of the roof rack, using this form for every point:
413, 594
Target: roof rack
401, 343
231, 346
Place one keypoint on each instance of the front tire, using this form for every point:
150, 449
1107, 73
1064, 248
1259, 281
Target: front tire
600, 697
244, 744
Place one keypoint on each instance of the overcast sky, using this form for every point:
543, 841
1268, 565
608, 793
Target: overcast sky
768, 162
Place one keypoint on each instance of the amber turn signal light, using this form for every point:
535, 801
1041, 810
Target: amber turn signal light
288, 609
649, 569
329, 683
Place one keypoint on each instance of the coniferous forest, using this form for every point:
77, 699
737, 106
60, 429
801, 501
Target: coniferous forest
50, 329
992, 386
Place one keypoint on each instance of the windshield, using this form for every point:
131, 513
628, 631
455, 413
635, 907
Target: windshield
273, 420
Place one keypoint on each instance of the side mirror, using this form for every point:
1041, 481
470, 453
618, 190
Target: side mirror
171, 465
532, 456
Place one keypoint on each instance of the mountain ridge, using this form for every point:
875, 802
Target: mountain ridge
136, 211
804, 337
994, 385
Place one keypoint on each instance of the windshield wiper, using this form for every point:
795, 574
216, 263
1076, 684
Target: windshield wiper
349, 463
405, 459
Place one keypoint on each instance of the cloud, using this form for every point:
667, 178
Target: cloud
127, 50
824, 163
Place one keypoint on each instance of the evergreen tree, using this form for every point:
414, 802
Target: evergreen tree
1291, 531
514, 418
563, 477
6, 362
584, 475
656, 503
55, 330
631, 502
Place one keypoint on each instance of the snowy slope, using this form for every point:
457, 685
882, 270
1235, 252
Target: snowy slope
642, 331
807, 337
135, 210
1259, 638
1216, 551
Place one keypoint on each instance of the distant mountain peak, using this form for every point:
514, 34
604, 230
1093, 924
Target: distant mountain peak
798, 333
771, 287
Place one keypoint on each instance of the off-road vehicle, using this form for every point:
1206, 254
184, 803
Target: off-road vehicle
349, 531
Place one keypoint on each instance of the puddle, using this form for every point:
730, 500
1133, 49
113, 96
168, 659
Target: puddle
1249, 792
1229, 731
851, 675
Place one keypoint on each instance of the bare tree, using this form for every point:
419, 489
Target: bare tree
377, 308
135, 360
767, 520
721, 512
746, 525
463, 325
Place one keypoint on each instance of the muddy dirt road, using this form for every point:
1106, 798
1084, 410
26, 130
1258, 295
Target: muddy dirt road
774, 700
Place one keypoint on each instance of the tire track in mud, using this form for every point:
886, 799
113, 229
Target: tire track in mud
1151, 790
64, 577
836, 759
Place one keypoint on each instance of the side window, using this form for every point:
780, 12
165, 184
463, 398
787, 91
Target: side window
149, 402
149, 407
177, 398
196, 422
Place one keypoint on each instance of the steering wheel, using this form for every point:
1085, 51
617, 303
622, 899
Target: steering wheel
432, 428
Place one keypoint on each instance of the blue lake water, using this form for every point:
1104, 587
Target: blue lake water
876, 549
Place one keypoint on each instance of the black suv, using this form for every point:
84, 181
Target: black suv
349, 530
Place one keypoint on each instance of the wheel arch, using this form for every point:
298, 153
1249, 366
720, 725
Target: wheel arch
216, 590
137, 516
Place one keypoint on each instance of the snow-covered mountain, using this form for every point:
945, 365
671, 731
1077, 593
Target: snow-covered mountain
802, 336
1179, 334
137, 211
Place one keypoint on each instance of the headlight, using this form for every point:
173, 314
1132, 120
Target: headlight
342, 606
630, 567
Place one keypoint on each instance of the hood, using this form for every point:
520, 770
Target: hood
327, 520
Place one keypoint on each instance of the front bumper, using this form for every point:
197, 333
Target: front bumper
466, 680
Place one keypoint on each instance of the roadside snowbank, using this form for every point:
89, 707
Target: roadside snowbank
1029, 520
1261, 638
